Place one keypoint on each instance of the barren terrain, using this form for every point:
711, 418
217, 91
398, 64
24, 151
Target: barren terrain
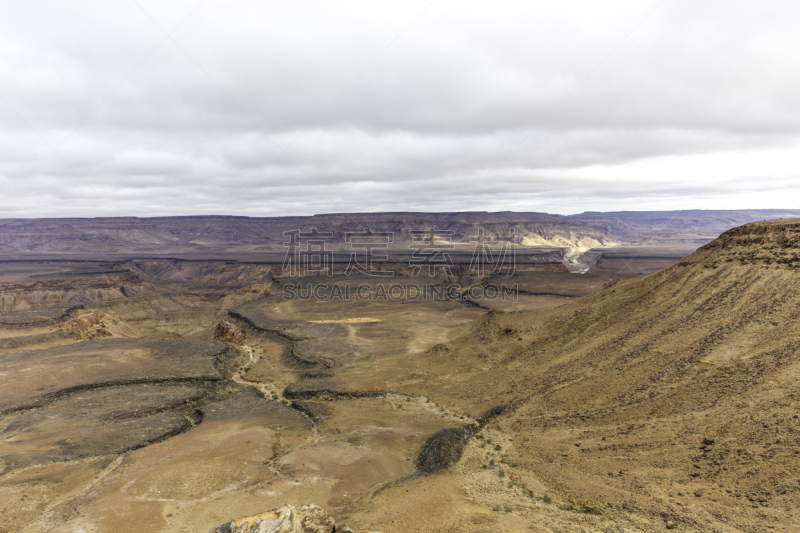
178, 394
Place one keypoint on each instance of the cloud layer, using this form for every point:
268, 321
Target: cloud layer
254, 108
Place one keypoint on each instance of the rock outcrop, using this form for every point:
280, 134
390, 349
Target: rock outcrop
93, 324
287, 519
228, 331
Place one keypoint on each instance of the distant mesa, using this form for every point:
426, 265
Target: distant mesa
246, 237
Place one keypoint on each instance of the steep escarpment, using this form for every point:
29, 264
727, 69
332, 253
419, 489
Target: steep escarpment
680, 391
733, 302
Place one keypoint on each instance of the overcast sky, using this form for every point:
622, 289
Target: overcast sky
147, 107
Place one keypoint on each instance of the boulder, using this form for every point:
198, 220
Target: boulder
287, 519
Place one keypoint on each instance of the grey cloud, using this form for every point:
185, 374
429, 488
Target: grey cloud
501, 98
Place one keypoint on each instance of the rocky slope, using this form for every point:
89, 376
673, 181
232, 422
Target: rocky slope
675, 395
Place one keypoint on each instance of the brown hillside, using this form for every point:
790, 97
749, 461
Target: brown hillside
675, 395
